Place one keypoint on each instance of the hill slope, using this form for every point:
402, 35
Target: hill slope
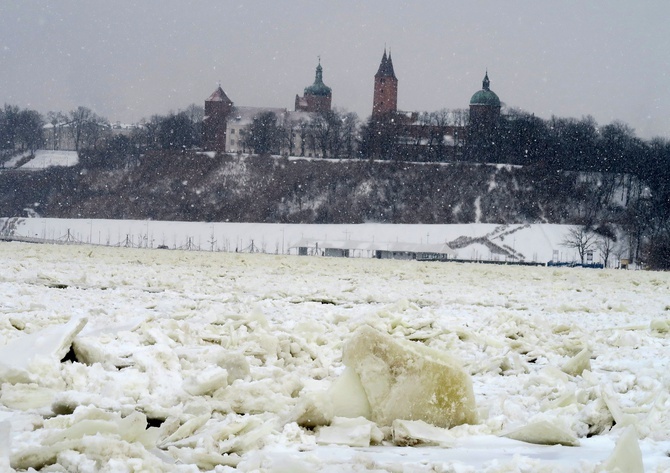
198, 187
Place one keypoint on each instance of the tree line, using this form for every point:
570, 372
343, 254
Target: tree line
81, 129
329, 134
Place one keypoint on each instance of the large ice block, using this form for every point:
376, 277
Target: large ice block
407, 380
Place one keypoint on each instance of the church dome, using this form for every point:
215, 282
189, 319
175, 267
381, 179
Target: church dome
318, 87
485, 96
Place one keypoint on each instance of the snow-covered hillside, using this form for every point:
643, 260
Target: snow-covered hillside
42, 159
199, 361
47, 158
195, 187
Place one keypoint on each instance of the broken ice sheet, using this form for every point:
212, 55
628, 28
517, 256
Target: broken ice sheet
354, 432
18, 357
418, 432
26, 396
627, 456
544, 432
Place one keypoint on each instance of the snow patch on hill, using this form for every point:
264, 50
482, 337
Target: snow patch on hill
47, 158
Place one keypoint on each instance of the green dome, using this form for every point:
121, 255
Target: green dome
485, 96
318, 87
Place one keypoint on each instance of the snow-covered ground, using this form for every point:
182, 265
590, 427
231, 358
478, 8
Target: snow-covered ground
45, 158
15, 160
209, 361
530, 243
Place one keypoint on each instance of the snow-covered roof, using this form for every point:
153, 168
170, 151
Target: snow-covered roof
218, 96
244, 116
298, 115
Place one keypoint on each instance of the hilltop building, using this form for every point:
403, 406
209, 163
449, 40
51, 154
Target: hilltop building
416, 136
317, 97
225, 125
484, 118
218, 108
484, 108
385, 98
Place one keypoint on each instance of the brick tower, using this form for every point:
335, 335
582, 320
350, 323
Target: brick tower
217, 109
385, 98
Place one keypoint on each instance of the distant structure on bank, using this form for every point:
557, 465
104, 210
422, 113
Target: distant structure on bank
317, 97
484, 108
412, 129
225, 125
385, 98
218, 108
484, 115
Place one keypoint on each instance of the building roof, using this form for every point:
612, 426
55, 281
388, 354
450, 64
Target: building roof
219, 96
298, 115
318, 87
244, 116
485, 96
386, 67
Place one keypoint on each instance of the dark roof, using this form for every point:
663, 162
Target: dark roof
485, 96
386, 67
219, 96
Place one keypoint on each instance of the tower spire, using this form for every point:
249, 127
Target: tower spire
317, 96
385, 99
386, 66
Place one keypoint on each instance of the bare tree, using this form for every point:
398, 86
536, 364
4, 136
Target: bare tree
86, 127
78, 118
605, 246
29, 129
581, 239
324, 129
195, 113
289, 129
58, 121
151, 127
264, 134
349, 130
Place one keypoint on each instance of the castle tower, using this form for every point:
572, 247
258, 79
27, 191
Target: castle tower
318, 96
484, 107
217, 110
385, 98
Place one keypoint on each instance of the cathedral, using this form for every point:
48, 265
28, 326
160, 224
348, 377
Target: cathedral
484, 108
225, 124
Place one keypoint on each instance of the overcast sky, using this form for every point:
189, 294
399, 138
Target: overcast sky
131, 59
